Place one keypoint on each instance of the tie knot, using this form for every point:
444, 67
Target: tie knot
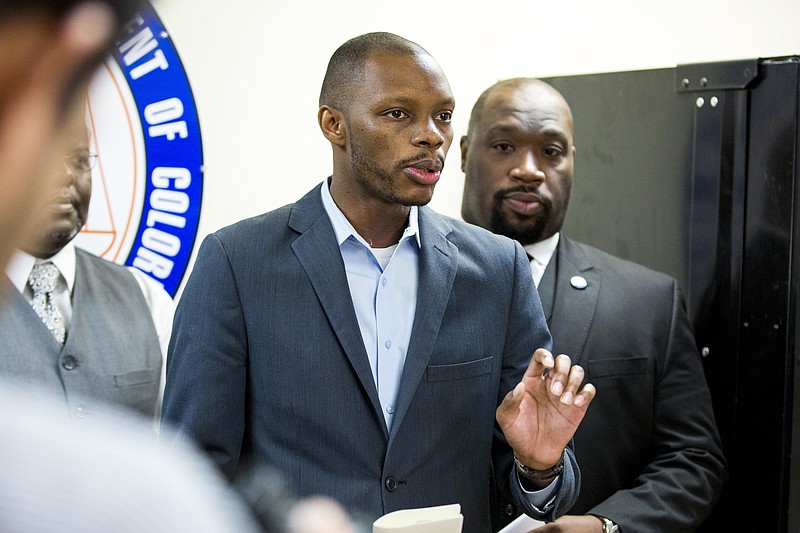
44, 278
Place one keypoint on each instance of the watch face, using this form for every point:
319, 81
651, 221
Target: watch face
608, 525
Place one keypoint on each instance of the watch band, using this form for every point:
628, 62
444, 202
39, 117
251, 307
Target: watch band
608, 525
540, 475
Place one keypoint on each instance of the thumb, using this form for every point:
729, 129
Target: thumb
510, 404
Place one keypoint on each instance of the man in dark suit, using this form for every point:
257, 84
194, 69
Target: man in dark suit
362, 343
649, 449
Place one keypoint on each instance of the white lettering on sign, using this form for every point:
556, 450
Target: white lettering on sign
161, 116
136, 48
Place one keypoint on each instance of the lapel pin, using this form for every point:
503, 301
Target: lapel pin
579, 282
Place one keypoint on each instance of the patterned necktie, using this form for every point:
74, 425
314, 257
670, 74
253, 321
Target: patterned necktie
43, 281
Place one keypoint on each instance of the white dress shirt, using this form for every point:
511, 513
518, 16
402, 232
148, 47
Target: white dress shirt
541, 253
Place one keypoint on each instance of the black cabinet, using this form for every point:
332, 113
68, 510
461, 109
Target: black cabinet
693, 171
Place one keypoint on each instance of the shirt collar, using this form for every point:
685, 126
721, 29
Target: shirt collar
542, 251
343, 228
20, 265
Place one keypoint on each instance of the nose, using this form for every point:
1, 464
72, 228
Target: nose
526, 169
429, 135
66, 177
66, 174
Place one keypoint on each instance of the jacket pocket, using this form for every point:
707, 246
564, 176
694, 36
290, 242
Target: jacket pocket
470, 369
132, 379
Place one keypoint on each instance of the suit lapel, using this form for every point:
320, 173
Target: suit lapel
573, 307
438, 261
319, 255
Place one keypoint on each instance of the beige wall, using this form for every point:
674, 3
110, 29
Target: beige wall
256, 67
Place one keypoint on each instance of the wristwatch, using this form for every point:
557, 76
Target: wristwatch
540, 475
608, 525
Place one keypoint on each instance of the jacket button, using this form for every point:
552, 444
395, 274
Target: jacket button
69, 363
509, 510
390, 484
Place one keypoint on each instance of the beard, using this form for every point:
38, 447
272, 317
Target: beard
60, 238
525, 230
380, 181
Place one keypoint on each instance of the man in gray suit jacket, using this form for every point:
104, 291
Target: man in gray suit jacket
360, 342
649, 449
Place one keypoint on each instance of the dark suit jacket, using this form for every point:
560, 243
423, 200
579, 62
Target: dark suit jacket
267, 359
648, 447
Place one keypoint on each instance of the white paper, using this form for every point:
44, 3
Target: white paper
439, 519
523, 524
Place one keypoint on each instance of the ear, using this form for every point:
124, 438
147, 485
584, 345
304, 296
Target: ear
331, 122
464, 148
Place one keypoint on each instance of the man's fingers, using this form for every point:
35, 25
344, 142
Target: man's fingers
90, 26
561, 377
559, 374
83, 38
542, 360
585, 396
574, 381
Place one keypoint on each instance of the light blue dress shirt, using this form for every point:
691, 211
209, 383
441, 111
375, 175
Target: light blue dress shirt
383, 286
384, 297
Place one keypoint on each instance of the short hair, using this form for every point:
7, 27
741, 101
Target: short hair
346, 66
512, 83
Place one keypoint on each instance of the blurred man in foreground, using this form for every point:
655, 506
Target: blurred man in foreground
105, 475
48, 49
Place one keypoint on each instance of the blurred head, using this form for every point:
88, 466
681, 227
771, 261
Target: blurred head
48, 50
386, 106
65, 204
518, 160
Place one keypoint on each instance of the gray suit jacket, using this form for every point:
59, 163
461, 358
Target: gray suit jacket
267, 359
648, 447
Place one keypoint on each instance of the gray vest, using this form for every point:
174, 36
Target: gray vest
111, 354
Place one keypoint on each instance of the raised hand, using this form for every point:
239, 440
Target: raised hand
540, 415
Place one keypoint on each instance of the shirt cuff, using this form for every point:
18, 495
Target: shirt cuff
542, 499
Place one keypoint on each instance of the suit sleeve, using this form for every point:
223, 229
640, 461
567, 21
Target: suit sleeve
683, 481
206, 367
527, 331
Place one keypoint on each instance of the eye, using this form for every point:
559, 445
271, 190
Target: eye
397, 113
81, 160
552, 152
503, 147
445, 116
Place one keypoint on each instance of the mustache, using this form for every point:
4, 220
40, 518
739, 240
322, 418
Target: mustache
59, 199
502, 193
422, 156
